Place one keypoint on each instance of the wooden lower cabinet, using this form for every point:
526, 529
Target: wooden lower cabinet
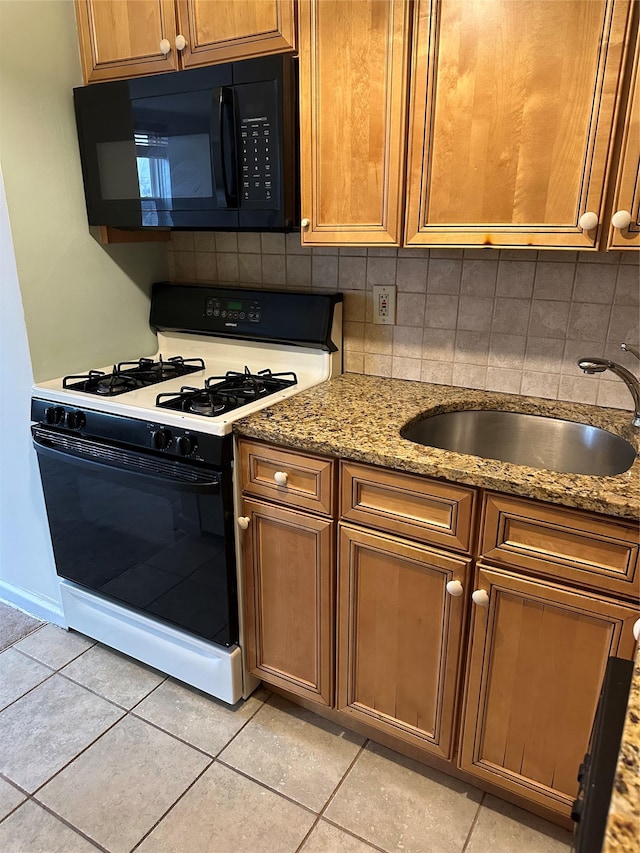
399, 637
289, 590
536, 660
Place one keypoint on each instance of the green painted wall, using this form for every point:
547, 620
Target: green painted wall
84, 304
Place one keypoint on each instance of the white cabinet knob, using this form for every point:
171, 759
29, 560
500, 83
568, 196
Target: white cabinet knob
165, 46
281, 478
454, 588
243, 522
636, 630
621, 219
181, 42
480, 597
588, 221
304, 223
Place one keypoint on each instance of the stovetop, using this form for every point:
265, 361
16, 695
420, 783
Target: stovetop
209, 370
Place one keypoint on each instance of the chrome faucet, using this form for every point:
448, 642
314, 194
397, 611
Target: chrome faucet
599, 365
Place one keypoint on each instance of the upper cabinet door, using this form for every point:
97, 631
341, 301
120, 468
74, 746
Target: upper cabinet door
226, 30
626, 200
121, 38
353, 84
512, 114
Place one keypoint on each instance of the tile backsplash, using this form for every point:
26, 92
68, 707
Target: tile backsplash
512, 320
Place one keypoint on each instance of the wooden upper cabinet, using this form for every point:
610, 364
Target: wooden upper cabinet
226, 30
121, 38
626, 199
511, 119
353, 82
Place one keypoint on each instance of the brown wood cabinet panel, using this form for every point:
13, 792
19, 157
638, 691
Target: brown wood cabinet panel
121, 38
563, 544
310, 480
536, 662
353, 84
399, 637
627, 192
227, 30
511, 118
289, 588
409, 505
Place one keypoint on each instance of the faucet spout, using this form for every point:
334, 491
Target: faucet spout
599, 365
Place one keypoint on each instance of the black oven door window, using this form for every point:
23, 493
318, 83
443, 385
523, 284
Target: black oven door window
159, 545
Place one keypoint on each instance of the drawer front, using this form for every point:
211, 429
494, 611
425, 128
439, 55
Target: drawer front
286, 477
408, 505
560, 543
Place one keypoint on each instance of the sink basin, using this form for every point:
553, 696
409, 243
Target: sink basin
533, 440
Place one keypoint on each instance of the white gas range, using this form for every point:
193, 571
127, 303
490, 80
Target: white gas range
136, 462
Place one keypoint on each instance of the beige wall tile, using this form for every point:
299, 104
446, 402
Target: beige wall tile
540, 384
469, 376
548, 319
440, 372
250, 268
503, 380
226, 241
595, 283
507, 351
555, 304
515, 278
352, 273
410, 309
377, 365
554, 280
406, 368
479, 277
578, 389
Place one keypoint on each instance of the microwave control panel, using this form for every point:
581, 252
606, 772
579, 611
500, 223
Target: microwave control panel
257, 161
258, 119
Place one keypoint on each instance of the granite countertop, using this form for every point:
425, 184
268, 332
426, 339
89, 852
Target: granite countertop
623, 824
359, 418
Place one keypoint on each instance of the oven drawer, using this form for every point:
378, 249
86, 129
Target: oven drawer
409, 505
563, 544
282, 476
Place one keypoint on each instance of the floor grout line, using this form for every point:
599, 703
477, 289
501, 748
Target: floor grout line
473, 823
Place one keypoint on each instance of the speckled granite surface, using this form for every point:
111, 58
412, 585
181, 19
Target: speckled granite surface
359, 417
623, 824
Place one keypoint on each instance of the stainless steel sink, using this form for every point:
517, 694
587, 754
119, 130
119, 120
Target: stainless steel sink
533, 440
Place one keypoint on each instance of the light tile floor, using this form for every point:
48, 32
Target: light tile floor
98, 752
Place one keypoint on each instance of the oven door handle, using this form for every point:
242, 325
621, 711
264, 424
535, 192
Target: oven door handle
122, 464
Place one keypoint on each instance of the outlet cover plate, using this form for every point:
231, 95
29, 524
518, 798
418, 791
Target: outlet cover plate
384, 304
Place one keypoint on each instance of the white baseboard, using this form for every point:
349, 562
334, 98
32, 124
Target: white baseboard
31, 604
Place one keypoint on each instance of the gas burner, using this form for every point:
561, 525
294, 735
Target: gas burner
206, 404
129, 375
222, 394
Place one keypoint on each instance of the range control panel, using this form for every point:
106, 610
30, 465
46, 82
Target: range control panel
230, 310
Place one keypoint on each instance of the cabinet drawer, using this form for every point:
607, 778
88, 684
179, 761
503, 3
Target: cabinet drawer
560, 543
408, 505
308, 481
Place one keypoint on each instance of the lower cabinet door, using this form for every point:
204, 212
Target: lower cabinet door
399, 636
537, 657
289, 592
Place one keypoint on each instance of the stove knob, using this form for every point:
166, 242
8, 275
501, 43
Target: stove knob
75, 420
161, 439
54, 415
186, 444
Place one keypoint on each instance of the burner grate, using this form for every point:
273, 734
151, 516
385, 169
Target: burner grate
130, 375
223, 394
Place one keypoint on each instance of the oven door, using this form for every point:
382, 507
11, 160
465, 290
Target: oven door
150, 533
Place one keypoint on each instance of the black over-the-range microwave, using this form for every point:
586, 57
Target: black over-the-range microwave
211, 148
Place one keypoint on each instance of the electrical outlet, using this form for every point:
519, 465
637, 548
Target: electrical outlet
384, 304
